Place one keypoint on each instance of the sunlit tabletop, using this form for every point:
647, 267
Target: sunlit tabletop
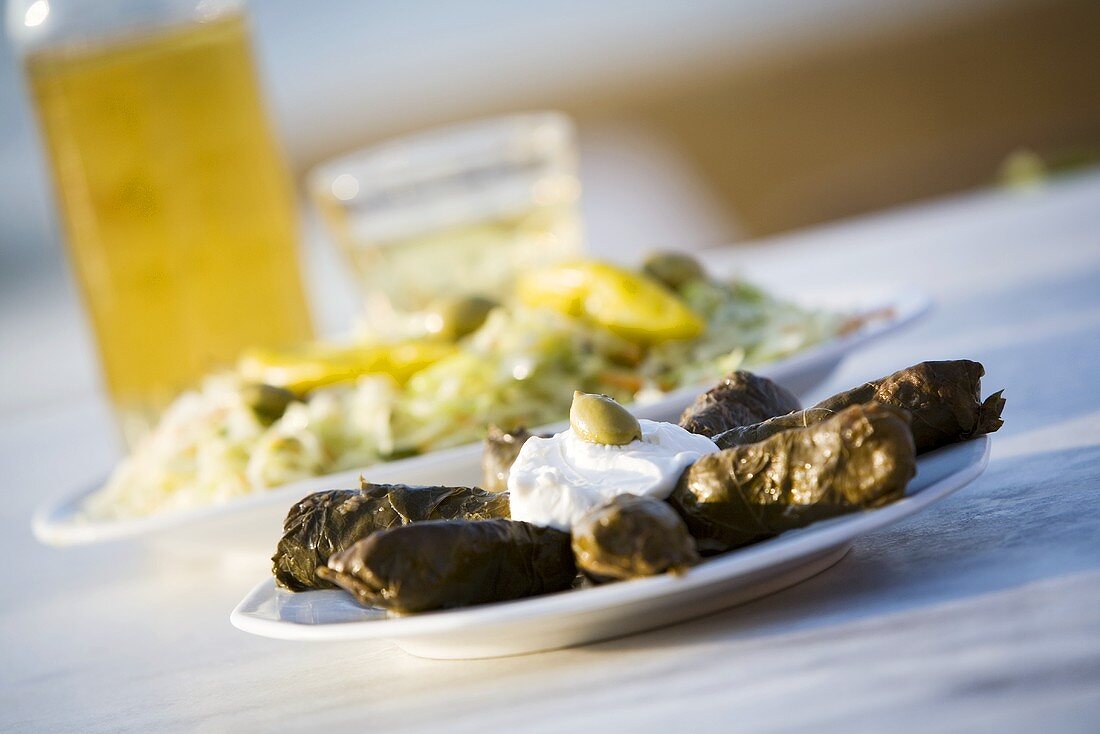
981, 614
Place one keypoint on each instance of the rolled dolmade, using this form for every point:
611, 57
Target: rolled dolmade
631, 537
861, 457
740, 399
944, 400
453, 563
324, 523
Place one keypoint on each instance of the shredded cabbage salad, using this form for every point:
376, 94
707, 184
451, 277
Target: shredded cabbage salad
519, 368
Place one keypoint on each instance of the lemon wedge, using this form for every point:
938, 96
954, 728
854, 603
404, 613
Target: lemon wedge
309, 367
629, 304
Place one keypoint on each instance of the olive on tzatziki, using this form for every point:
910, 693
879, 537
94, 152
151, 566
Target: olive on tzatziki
604, 453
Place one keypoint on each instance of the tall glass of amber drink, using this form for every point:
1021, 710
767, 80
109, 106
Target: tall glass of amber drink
175, 204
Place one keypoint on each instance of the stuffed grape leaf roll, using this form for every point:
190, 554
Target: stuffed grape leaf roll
453, 563
861, 457
943, 398
630, 537
499, 453
740, 399
326, 522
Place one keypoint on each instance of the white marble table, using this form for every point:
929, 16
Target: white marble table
981, 614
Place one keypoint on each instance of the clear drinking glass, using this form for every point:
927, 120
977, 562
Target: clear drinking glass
178, 212
453, 211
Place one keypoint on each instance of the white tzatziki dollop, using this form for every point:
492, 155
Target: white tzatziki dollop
555, 481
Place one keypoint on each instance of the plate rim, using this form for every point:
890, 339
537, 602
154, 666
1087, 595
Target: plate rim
55, 523
786, 548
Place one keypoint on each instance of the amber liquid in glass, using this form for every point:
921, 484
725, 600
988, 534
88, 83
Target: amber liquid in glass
178, 211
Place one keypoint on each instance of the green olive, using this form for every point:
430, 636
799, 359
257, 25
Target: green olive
455, 317
674, 269
599, 419
267, 402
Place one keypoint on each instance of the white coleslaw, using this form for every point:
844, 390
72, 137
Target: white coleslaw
520, 368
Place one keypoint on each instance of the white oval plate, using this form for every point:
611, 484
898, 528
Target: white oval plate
577, 617
250, 525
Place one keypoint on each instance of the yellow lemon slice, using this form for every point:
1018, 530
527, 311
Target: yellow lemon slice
629, 304
306, 368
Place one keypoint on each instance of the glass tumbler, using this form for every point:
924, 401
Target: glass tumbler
453, 211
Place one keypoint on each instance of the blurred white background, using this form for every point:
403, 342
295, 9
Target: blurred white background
701, 121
